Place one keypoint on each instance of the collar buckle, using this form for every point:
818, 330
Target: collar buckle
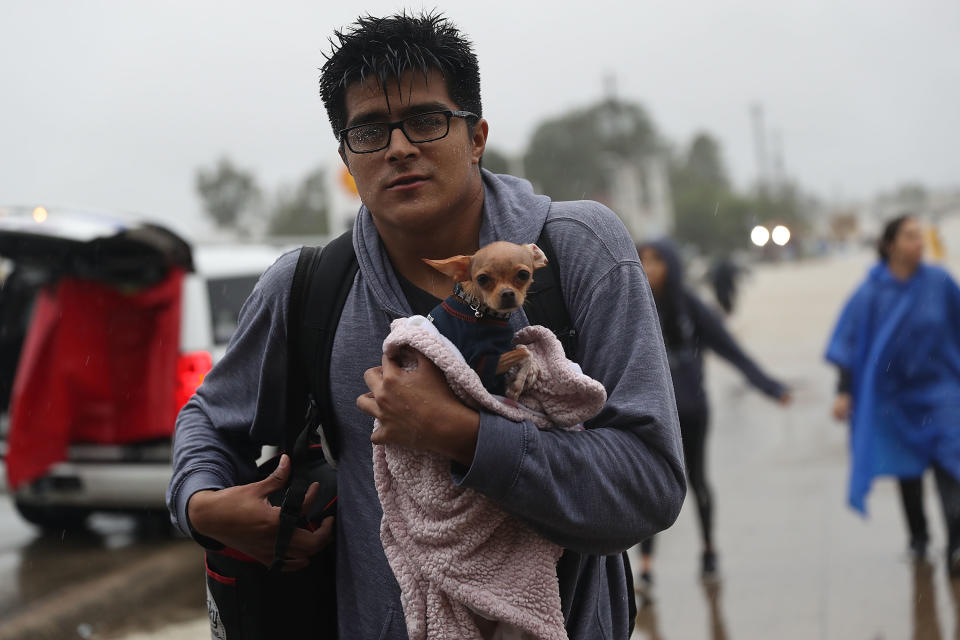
479, 309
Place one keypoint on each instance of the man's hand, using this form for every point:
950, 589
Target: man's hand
842, 406
417, 409
242, 518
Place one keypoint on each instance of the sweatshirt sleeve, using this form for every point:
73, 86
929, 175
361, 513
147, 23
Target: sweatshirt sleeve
241, 404
621, 480
844, 380
715, 336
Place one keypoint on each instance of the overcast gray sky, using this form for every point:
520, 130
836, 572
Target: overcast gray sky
114, 104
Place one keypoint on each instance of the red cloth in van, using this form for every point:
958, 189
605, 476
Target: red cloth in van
98, 366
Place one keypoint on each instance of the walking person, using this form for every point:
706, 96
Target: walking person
897, 347
403, 97
689, 328
724, 276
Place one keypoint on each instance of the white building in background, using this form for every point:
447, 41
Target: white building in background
640, 195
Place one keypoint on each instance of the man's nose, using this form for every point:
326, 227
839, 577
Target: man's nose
400, 147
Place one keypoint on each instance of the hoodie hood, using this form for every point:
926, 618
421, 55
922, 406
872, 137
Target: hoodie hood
671, 303
511, 211
670, 254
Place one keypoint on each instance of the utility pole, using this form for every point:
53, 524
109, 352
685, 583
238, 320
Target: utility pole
778, 177
610, 86
759, 143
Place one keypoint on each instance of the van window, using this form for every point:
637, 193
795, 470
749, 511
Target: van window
18, 288
227, 295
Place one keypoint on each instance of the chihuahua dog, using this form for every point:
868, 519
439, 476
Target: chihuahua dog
489, 286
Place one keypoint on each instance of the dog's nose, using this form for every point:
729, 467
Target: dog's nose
508, 297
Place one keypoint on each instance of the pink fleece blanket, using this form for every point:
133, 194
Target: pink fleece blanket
466, 569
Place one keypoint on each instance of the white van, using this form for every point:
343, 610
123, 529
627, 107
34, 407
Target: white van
107, 326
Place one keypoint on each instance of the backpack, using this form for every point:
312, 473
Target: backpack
321, 283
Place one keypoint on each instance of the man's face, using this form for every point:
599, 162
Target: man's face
414, 187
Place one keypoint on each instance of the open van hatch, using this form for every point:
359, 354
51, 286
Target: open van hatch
90, 318
90, 245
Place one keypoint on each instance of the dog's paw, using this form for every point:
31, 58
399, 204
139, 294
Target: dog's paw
522, 376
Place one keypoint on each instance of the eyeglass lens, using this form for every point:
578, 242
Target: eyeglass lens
419, 128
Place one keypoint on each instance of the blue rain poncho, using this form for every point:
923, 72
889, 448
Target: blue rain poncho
900, 342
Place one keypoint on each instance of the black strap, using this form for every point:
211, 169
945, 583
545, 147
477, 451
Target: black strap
331, 283
297, 381
545, 304
312, 316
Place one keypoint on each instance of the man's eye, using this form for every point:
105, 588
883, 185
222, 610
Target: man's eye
367, 134
483, 279
523, 275
426, 124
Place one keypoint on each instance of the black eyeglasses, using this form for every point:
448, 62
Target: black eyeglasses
422, 127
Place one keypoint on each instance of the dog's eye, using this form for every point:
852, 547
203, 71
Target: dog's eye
483, 279
523, 275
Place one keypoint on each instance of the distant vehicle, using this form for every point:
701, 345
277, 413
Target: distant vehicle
107, 326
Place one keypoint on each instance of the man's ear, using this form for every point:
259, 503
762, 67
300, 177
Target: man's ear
539, 258
457, 267
479, 140
343, 156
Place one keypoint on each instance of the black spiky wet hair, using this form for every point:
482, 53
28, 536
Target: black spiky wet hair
386, 48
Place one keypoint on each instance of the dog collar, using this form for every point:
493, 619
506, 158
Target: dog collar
479, 309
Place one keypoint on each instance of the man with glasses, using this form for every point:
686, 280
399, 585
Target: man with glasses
403, 97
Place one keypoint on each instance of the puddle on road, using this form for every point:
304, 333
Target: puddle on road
44, 563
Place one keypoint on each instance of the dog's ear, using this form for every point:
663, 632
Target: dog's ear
539, 259
457, 267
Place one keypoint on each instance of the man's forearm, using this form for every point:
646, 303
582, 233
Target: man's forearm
597, 491
457, 437
199, 508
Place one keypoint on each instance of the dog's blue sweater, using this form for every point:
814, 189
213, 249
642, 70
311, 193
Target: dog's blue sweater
481, 340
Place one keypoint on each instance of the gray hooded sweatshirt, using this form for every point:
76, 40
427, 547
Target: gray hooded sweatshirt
595, 492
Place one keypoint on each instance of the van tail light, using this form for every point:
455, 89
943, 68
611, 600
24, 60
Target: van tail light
191, 369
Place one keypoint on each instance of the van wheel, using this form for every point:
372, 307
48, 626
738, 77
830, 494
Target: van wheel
53, 518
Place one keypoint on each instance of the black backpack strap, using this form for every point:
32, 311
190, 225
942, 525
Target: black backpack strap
297, 388
336, 271
297, 424
321, 283
545, 306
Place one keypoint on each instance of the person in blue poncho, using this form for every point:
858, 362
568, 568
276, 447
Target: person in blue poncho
689, 328
897, 346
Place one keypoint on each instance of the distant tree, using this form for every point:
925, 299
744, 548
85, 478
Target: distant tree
784, 205
304, 210
704, 162
227, 192
707, 213
715, 221
494, 160
570, 157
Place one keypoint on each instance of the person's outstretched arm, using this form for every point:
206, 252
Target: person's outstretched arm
715, 336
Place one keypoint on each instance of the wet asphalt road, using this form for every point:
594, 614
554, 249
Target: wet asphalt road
117, 574
795, 561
